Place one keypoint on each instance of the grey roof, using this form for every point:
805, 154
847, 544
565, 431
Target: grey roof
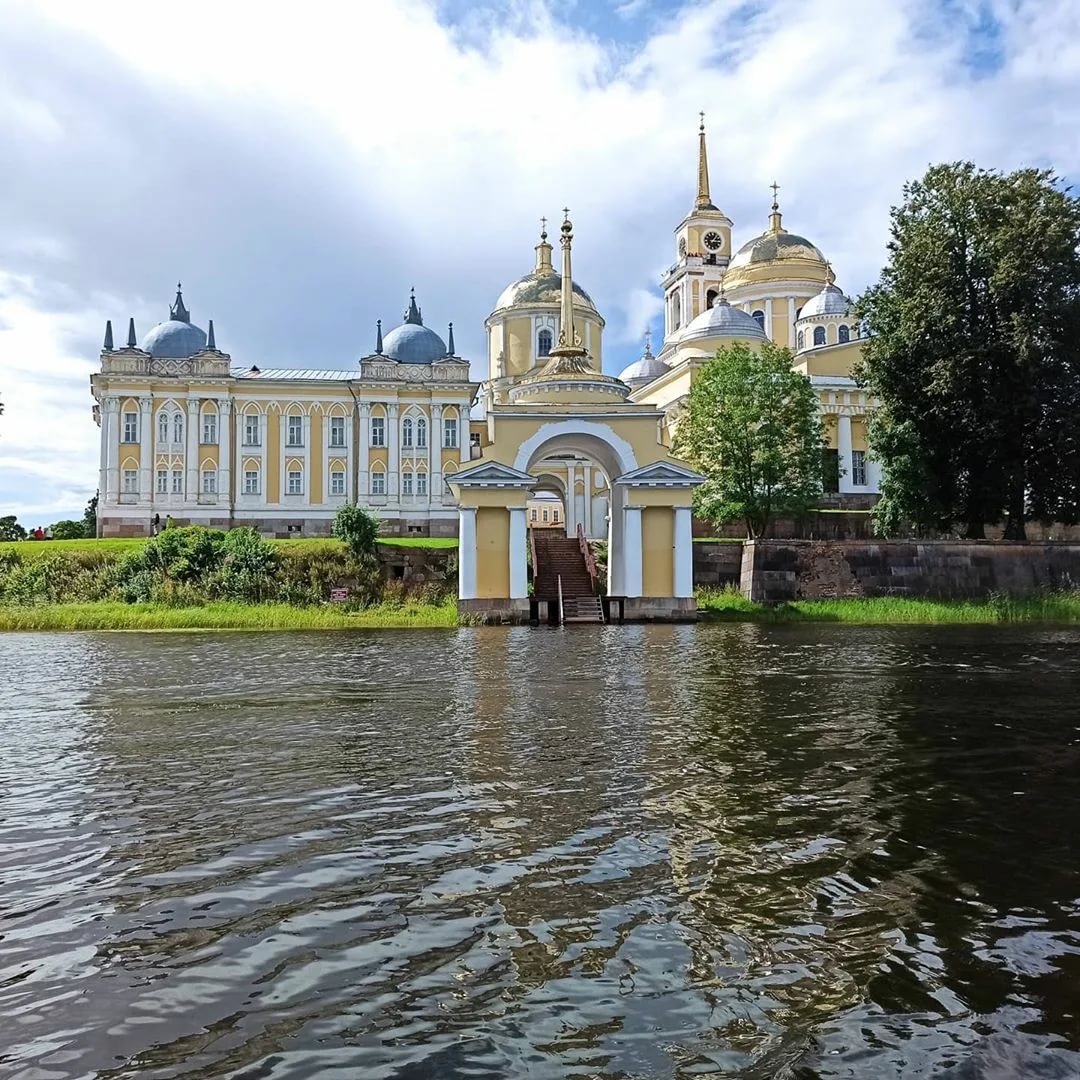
413, 343
643, 371
722, 320
174, 339
541, 287
337, 374
830, 301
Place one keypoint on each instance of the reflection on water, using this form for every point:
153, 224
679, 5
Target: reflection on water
620, 852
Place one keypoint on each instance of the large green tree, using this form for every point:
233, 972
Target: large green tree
974, 352
752, 428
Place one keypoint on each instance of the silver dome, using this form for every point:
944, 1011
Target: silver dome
830, 301
174, 339
722, 320
412, 343
643, 371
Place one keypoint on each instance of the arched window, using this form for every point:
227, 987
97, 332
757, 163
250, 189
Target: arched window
421, 433
676, 311
543, 343
162, 426
407, 431
843, 334
178, 427
819, 335
801, 343
710, 298
760, 316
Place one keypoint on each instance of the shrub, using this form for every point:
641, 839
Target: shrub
69, 530
357, 529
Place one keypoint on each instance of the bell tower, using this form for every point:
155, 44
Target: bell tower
702, 252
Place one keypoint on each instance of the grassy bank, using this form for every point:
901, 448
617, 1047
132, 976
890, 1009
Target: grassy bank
730, 606
224, 616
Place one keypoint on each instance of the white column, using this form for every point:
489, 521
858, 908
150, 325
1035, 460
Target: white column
683, 552
435, 484
586, 518
146, 455
464, 446
791, 322
570, 510
631, 576
225, 451
110, 419
466, 552
519, 577
393, 451
364, 456
843, 446
193, 436
305, 453
768, 318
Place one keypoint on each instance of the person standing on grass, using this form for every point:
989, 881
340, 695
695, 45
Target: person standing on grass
168, 521
155, 525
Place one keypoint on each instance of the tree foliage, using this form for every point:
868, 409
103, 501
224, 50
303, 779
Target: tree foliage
68, 530
10, 529
752, 428
357, 529
974, 352
90, 517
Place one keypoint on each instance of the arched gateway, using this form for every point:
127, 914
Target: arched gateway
569, 422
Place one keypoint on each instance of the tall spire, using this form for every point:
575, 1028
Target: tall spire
378, 337
569, 339
178, 311
108, 346
210, 343
775, 218
450, 342
413, 314
704, 199
543, 251
133, 341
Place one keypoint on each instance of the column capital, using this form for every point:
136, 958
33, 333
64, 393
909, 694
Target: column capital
146, 403
436, 410
193, 406
392, 409
225, 405
364, 407
110, 402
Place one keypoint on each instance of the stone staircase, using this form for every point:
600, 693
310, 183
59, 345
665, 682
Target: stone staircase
561, 557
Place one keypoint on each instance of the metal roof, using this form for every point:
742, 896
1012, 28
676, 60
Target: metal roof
335, 374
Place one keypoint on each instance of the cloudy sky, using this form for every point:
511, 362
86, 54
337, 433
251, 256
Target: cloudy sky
300, 166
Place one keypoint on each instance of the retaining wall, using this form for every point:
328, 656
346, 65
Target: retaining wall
775, 571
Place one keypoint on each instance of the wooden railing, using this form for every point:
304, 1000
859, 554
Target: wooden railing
590, 562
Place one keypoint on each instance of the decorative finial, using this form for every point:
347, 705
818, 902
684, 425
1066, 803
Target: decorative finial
702, 127
108, 346
450, 342
704, 199
413, 314
648, 342
830, 277
210, 344
132, 342
378, 337
775, 188
568, 354
178, 311
543, 228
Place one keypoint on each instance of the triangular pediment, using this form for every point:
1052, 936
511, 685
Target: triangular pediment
492, 474
661, 474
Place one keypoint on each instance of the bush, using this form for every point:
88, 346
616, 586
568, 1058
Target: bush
357, 530
69, 530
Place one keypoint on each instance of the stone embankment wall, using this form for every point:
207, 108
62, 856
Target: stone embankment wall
775, 571
717, 566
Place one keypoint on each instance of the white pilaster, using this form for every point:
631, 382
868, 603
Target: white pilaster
586, 518
466, 552
683, 576
305, 453
464, 446
631, 575
843, 446
225, 494
791, 322
110, 422
364, 457
435, 482
394, 451
194, 434
570, 510
519, 577
146, 456
768, 318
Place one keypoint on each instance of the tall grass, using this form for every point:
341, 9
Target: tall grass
729, 605
225, 616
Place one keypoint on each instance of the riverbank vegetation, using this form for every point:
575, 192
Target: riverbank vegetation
729, 605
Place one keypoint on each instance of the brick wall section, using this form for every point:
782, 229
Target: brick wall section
775, 571
717, 565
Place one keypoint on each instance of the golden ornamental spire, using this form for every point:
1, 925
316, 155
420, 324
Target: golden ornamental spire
704, 200
543, 251
775, 218
569, 356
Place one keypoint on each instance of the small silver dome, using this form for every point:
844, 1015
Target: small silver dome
722, 320
643, 371
830, 301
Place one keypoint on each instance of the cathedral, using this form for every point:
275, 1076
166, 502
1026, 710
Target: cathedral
189, 433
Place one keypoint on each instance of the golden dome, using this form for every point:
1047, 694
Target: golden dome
542, 289
779, 246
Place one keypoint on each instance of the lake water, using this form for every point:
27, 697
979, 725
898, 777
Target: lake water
632, 852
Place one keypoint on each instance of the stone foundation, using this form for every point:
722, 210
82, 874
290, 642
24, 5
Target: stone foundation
717, 566
657, 609
494, 611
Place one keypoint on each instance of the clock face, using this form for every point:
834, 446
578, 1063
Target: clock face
682, 245
713, 241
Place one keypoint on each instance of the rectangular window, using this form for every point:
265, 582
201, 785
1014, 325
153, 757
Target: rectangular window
251, 481
337, 482
421, 483
209, 481
209, 428
858, 468
555, 516
163, 481
406, 483
131, 481
474, 438
131, 427
449, 433
545, 515
296, 431
178, 481
296, 482
378, 431
252, 435
378, 483
337, 430
532, 514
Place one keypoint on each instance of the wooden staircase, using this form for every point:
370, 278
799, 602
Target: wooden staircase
560, 561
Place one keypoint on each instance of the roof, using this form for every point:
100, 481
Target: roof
336, 374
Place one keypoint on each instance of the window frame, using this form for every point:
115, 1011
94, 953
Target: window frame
294, 481
337, 480
177, 482
421, 484
129, 482
289, 429
858, 468
450, 433
208, 481
252, 481
252, 423
407, 433
337, 427
129, 426
378, 431
209, 432
545, 342
819, 332
407, 483
421, 433
378, 482
843, 334
161, 481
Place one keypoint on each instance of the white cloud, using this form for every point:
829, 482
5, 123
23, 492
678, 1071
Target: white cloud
300, 170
